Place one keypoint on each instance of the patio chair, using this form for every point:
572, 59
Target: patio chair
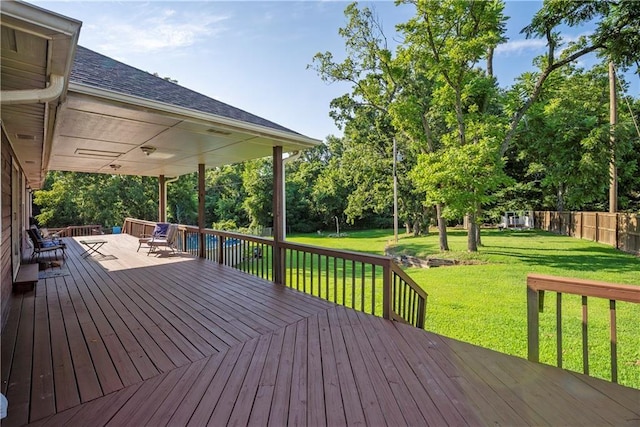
43, 233
159, 232
41, 244
169, 241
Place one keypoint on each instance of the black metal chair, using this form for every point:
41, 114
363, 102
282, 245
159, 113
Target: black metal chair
41, 245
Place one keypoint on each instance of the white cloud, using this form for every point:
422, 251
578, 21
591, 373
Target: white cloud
520, 46
165, 29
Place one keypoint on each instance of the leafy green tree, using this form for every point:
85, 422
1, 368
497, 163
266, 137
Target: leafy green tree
257, 180
182, 200
55, 202
304, 211
331, 188
447, 40
565, 140
224, 195
71, 198
617, 37
376, 78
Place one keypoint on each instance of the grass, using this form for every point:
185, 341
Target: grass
484, 301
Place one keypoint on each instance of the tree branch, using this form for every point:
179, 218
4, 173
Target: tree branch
519, 114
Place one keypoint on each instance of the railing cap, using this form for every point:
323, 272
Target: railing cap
584, 287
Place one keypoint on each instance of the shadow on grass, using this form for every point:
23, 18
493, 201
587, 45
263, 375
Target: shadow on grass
517, 247
577, 261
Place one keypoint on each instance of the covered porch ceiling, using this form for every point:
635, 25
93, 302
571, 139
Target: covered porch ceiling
109, 117
103, 131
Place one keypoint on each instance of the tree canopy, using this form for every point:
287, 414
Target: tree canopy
467, 146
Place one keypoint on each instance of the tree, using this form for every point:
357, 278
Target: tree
565, 142
446, 40
617, 37
257, 180
376, 78
72, 198
182, 200
224, 195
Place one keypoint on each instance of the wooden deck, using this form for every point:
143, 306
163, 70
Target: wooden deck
131, 339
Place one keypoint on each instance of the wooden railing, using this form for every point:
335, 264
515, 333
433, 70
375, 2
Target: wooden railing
538, 284
137, 227
76, 230
369, 283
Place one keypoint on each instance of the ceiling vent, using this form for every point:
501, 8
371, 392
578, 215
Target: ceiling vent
25, 137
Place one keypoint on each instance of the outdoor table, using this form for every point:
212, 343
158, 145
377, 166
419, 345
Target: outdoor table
93, 247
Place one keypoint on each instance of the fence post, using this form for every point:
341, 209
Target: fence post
597, 227
617, 230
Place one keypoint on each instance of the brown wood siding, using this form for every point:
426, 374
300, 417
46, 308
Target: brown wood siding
5, 244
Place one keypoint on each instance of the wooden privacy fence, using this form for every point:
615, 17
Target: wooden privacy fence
620, 230
370, 283
537, 285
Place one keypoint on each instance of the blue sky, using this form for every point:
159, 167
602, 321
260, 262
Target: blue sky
254, 54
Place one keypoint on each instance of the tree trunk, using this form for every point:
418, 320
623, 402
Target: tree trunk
442, 229
472, 245
417, 228
478, 238
560, 201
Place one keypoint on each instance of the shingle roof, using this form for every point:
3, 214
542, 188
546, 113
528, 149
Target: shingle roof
93, 69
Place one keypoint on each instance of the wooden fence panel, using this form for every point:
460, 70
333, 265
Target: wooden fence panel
590, 226
565, 223
629, 233
554, 222
576, 225
607, 229
621, 230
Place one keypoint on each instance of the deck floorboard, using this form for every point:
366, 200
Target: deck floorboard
130, 339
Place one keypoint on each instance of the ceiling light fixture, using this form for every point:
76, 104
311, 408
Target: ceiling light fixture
115, 167
148, 149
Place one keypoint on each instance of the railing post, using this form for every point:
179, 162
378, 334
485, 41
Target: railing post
220, 249
422, 308
533, 323
387, 280
201, 195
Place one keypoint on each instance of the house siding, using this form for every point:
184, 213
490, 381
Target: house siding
5, 244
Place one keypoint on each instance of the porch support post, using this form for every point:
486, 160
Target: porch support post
201, 248
162, 199
278, 232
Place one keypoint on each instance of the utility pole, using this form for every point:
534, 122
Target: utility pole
613, 120
395, 193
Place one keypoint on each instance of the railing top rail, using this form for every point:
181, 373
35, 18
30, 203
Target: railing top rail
339, 253
589, 288
229, 234
404, 276
140, 221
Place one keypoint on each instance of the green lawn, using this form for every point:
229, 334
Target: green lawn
484, 300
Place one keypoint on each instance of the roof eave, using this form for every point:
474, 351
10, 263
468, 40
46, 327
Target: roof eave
286, 138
